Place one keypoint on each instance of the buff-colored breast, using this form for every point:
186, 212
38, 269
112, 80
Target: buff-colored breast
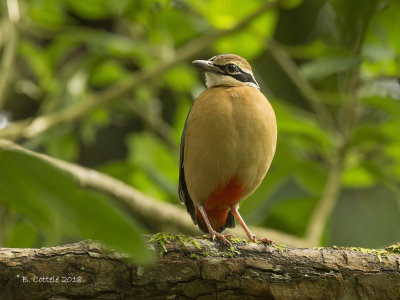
230, 133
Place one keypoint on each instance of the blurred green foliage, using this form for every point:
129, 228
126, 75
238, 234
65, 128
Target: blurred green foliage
68, 48
51, 200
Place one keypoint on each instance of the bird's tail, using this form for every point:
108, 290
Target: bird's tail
219, 204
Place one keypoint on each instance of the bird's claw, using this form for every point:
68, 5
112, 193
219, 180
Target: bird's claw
253, 238
221, 237
266, 241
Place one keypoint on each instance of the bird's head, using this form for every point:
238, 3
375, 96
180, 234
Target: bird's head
227, 70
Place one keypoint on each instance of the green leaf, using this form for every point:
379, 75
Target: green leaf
290, 4
393, 152
21, 235
374, 52
323, 67
368, 136
357, 177
383, 28
48, 14
313, 49
388, 105
61, 143
246, 43
20, 193
224, 16
301, 127
181, 113
181, 27
380, 60
96, 119
97, 9
37, 62
44, 193
156, 167
181, 78
106, 73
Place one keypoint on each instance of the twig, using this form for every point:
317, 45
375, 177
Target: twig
32, 127
282, 57
322, 212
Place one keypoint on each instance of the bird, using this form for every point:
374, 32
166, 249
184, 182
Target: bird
227, 145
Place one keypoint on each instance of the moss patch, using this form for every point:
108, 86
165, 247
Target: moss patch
194, 256
393, 248
237, 240
281, 248
163, 238
380, 253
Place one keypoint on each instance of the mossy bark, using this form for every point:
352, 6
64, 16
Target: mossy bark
200, 269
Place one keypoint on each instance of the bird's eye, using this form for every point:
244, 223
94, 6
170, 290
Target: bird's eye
231, 68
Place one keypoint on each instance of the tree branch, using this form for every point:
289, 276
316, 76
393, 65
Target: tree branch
200, 269
31, 127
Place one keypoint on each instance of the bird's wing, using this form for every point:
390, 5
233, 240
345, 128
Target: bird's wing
183, 191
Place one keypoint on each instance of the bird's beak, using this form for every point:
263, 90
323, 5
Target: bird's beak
206, 65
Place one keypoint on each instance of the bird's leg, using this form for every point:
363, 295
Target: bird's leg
235, 213
210, 229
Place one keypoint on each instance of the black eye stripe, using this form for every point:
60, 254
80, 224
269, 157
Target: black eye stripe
244, 77
222, 68
241, 76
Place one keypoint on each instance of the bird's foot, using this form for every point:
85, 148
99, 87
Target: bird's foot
221, 237
252, 237
212, 232
235, 212
266, 241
